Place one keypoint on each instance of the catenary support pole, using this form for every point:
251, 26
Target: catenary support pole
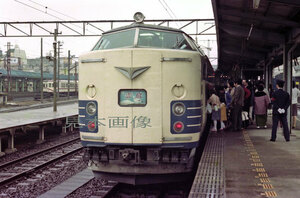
69, 63
54, 70
42, 73
58, 67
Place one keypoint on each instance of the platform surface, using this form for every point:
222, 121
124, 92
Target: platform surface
256, 167
31, 116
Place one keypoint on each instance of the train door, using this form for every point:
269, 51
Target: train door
147, 118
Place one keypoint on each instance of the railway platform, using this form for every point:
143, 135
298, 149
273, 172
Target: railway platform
246, 164
12, 121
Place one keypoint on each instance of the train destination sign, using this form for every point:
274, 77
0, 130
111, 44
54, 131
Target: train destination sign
132, 97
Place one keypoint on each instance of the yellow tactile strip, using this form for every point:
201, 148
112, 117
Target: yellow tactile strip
263, 179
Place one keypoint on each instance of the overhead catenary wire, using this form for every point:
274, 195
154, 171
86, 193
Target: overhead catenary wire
45, 12
170, 9
47, 8
167, 8
38, 9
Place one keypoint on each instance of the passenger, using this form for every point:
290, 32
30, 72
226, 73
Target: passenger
216, 115
221, 93
281, 102
295, 95
247, 101
228, 99
223, 114
261, 101
228, 96
223, 117
237, 104
251, 114
265, 89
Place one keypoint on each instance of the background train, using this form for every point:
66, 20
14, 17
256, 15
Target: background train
63, 88
142, 96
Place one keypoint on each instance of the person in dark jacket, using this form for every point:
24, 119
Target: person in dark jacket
281, 102
237, 104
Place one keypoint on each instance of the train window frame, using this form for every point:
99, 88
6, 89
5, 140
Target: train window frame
96, 47
133, 105
194, 44
136, 37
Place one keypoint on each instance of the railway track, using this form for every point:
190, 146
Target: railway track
169, 190
15, 169
97, 188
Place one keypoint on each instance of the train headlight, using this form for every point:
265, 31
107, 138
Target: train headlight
138, 17
178, 126
178, 108
91, 108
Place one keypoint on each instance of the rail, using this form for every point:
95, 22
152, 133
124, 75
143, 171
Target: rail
37, 161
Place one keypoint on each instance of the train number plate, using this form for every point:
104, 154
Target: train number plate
132, 97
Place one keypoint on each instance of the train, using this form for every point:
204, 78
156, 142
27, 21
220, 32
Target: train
142, 103
48, 89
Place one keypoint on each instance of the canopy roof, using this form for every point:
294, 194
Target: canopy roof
249, 37
32, 75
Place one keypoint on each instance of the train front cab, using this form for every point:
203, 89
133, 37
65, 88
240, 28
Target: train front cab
141, 116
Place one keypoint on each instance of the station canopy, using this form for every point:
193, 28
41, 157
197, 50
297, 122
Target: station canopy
32, 75
253, 33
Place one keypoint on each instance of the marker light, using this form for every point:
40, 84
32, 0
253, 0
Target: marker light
91, 108
138, 17
91, 125
178, 126
178, 109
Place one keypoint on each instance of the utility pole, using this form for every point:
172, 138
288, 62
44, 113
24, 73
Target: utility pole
69, 63
54, 69
8, 69
58, 66
42, 74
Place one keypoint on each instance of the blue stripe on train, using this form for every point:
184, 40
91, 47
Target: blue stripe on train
85, 118
191, 118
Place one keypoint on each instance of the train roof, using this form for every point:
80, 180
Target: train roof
142, 25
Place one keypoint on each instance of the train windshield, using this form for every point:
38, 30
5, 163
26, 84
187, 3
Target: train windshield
162, 39
147, 38
116, 40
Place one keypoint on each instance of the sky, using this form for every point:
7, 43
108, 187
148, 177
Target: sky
57, 10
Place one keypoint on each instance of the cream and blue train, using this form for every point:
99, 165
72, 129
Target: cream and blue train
141, 103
